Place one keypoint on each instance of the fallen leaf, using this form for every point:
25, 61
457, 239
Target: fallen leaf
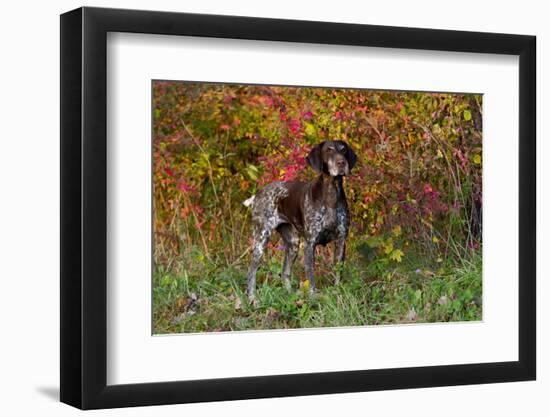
181, 303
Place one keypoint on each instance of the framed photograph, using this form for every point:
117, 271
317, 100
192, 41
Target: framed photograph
257, 208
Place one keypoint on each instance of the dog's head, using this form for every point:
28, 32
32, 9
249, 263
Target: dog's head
333, 157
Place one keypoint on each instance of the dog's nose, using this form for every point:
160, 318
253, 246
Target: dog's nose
341, 163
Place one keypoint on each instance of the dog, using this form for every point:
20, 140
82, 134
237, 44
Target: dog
316, 211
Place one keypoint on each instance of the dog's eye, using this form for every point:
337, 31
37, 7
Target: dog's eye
330, 149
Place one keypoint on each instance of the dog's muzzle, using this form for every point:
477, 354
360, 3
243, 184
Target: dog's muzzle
338, 167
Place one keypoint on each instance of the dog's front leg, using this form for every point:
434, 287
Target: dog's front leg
309, 261
339, 257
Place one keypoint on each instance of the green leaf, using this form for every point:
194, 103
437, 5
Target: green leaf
252, 172
373, 241
467, 115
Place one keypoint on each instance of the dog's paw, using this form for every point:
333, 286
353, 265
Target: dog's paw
287, 285
253, 302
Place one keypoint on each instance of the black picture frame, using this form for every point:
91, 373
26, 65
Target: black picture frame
84, 207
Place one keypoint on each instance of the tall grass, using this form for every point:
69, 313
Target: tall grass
205, 297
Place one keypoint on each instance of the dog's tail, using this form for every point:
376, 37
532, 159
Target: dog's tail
249, 201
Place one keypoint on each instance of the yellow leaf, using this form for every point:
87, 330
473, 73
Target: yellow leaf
396, 255
388, 247
477, 159
310, 129
396, 230
435, 239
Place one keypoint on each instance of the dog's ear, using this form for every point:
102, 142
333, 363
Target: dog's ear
351, 157
315, 159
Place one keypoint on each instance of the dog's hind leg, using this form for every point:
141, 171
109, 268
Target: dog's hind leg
261, 237
292, 242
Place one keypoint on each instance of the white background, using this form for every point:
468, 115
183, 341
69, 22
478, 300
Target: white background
29, 213
133, 60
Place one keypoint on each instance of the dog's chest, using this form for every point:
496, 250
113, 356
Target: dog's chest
328, 224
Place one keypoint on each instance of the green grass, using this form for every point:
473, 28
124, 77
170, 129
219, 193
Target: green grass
204, 297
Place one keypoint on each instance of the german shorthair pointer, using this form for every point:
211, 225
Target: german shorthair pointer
316, 210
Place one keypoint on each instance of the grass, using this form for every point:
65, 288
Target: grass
199, 296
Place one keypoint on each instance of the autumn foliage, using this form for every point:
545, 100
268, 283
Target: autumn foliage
416, 187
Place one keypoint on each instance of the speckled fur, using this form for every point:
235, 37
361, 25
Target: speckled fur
265, 219
316, 211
